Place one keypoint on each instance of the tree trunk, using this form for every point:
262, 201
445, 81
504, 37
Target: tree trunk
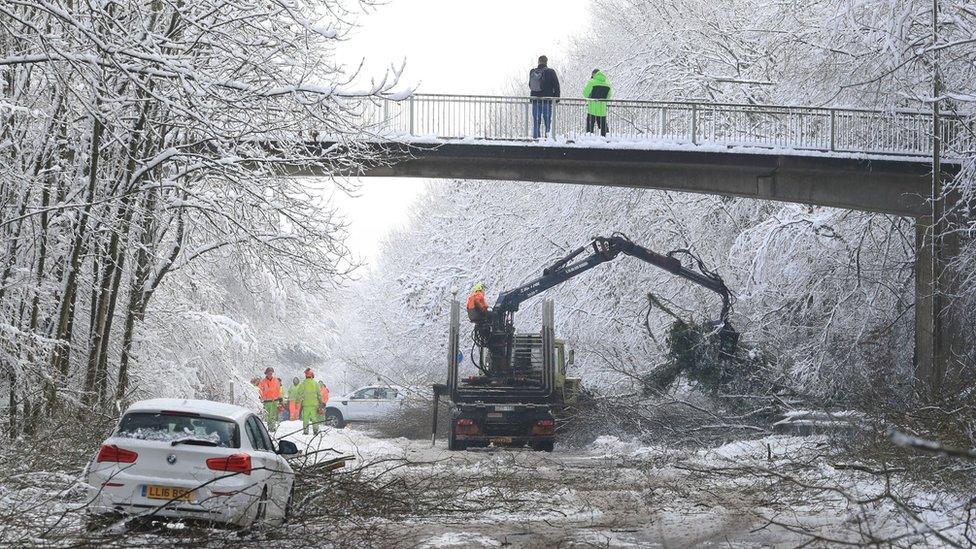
66, 317
136, 309
30, 420
97, 374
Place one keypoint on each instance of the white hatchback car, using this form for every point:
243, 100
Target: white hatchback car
192, 459
364, 404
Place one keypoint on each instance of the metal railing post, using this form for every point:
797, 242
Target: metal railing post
411, 116
552, 118
386, 114
664, 122
694, 123
833, 134
528, 118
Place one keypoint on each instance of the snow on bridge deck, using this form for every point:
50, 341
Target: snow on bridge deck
664, 125
615, 143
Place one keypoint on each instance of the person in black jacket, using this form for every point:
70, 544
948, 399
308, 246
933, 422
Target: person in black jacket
544, 84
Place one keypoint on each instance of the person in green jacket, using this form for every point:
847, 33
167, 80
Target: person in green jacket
311, 398
294, 402
597, 91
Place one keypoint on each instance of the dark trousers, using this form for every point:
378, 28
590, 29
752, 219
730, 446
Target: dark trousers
601, 120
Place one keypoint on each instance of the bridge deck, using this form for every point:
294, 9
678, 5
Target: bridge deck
895, 186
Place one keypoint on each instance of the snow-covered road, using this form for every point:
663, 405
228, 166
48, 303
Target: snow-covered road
616, 493
776, 491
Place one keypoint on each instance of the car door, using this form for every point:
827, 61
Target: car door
264, 461
279, 476
386, 402
359, 405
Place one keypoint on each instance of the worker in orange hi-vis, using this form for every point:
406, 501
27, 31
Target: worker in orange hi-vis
270, 391
477, 305
325, 399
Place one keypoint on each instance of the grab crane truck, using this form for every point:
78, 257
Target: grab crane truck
521, 382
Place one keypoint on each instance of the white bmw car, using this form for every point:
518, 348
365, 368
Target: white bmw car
192, 459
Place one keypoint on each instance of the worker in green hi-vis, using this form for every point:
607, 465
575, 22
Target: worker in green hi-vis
294, 400
311, 399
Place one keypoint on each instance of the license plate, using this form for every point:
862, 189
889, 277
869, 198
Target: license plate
154, 491
501, 440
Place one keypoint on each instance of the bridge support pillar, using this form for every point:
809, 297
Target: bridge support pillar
939, 332
925, 306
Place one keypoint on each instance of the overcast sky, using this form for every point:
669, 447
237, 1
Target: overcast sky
449, 46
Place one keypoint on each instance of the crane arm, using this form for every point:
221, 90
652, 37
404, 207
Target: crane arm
556, 274
703, 277
499, 333
606, 249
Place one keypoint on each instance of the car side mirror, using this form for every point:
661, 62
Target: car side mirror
572, 357
287, 448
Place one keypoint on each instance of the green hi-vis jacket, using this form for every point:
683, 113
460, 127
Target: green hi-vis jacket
308, 393
597, 90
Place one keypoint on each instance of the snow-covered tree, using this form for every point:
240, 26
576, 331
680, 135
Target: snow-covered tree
141, 139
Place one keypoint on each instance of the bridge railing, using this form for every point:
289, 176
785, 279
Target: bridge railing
899, 133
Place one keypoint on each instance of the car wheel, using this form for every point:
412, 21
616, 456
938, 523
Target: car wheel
262, 510
333, 418
291, 494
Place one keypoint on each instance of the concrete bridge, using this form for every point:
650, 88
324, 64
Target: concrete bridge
877, 161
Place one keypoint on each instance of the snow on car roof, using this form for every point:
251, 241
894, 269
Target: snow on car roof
206, 407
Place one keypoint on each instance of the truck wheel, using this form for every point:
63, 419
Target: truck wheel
453, 444
542, 446
333, 418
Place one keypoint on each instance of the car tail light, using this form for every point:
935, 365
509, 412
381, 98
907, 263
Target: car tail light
465, 426
544, 427
179, 413
114, 454
237, 463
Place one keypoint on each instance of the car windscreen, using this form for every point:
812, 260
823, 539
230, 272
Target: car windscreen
180, 428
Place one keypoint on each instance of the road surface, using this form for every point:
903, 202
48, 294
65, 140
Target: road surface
612, 493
